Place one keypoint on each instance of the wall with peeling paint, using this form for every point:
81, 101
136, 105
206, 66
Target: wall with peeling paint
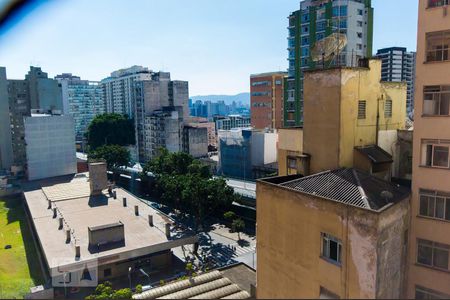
289, 265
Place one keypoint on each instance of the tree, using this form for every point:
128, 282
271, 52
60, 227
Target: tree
115, 155
229, 216
110, 129
105, 291
238, 226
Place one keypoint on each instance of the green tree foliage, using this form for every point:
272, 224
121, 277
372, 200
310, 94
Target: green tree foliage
238, 226
110, 129
187, 185
105, 291
229, 216
114, 155
139, 289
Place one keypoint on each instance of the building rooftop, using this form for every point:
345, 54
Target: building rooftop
70, 195
375, 154
227, 283
347, 186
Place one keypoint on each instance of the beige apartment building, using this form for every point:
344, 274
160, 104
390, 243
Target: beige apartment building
429, 268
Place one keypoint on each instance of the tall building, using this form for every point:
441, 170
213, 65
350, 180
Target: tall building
50, 146
154, 100
266, 100
399, 65
429, 243
37, 91
119, 89
316, 20
6, 150
83, 100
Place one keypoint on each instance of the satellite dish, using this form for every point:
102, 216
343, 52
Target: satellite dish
328, 47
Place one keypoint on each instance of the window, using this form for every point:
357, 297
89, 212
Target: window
436, 3
361, 109
326, 294
436, 100
259, 94
331, 248
359, 46
434, 204
278, 82
424, 293
107, 272
259, 83
432, 254
435, 153
388, 109
292, 165
438, 46
360, 35
359, 23
360, 12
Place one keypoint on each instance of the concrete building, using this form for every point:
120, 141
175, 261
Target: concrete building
163, 129
195, 141
290, 151
83, 100
118, 89
399, 65
429, 243
316, 20
86, 238
159, 93
336, 234
347, 108
243, 150
204, 123
6, 150
266, 100
50, 146
232, 122
37, 91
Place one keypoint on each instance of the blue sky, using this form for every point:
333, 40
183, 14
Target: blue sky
213, 44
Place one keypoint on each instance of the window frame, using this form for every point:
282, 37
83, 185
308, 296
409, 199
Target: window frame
442, 50
425, 155
438, 3
434, 196
325, 237
432, 294
434, 246
437, 92
388, 106
362, 115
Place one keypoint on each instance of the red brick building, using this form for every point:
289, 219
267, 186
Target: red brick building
266, 100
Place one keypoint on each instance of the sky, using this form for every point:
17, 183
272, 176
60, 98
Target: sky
215, 45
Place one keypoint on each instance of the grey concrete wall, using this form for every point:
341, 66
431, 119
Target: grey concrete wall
198, 142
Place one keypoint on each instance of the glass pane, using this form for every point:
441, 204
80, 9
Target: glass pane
325, 247
440, 156
440, 208
431, 201
424, 255
429, 154
333, 250
447, 210
423, 211
444, 105
440, 258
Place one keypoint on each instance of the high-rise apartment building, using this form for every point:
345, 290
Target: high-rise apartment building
6, 151
83, 100
429, 243
162, 95
399, 65
316, 20
266, 100
119, 89
37, 91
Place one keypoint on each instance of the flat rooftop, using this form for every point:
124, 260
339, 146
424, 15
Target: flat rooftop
70, 195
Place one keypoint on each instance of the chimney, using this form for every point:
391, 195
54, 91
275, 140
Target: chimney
49, 204
77, 252
61, 223
136, 210
168, 230
68, 236
54, 212
115, 195
150, 220
124, 202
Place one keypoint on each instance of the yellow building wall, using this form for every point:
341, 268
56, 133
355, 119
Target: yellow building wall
289, 265
365, 84
290, 143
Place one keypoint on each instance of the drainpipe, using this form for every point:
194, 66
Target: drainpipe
378, 120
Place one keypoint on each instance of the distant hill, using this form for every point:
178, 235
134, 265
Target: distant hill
228, 99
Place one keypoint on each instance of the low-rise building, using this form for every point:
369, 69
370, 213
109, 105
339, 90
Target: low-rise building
232, 122
335, 234
50, 146
87, 234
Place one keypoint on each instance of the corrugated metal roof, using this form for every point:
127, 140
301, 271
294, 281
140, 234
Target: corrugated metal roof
375, 154
350, 186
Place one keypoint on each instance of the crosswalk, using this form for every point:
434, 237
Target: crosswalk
223, 255
240, 251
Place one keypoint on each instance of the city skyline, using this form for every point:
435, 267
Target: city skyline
228, 50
